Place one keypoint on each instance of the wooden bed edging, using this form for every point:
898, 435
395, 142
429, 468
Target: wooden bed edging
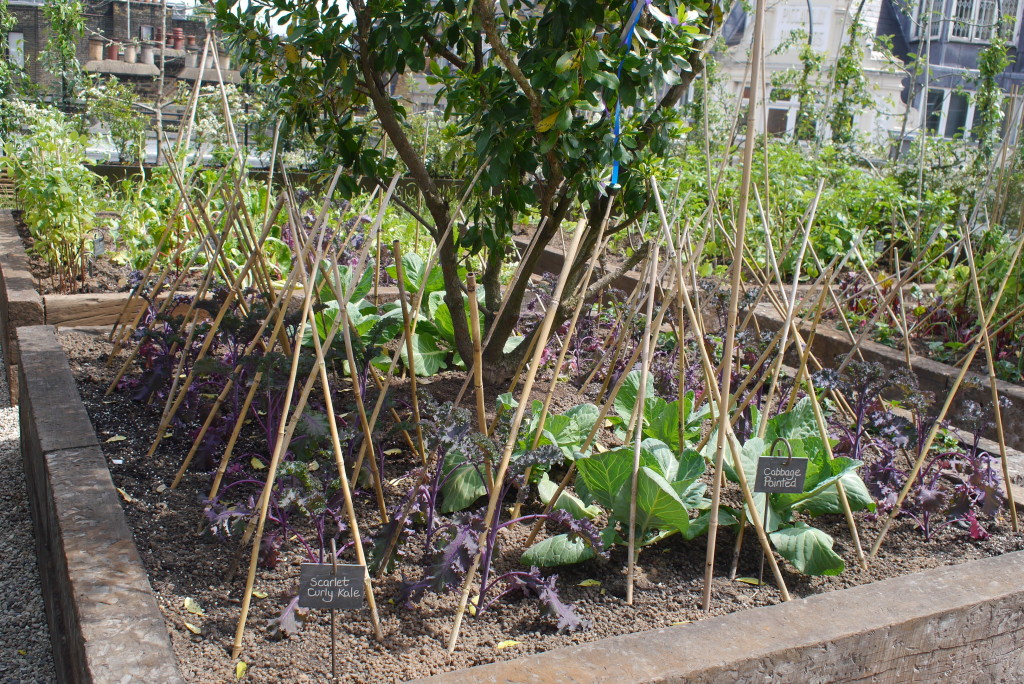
20, 304
105, 625
959, 622
829, 345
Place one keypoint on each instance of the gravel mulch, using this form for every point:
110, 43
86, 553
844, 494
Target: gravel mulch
24, 635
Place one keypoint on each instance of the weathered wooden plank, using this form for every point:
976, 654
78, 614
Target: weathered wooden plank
87, 309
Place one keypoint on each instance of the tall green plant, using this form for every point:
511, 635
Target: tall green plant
850, 85
992, 61
60, 196
59, 56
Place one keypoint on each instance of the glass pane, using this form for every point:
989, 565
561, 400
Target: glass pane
777, 120
16, 48
1008, 10
956, 116
934, 116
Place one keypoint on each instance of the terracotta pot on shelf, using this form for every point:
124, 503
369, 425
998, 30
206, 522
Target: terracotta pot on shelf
112, 51
146, 55
95, 49
190, 41
179, 43
131, 53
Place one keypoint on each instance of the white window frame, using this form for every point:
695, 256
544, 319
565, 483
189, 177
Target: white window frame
975, 23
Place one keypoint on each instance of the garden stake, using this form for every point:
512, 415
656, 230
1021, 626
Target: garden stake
239, 422
275, 459
615, 341
730, 332
346, 490
285, 433
639, 410
985, 319
903, 316
277, 311
400, 272
606, 406
717, 397
478, 370
209, 335
599, 247
844, 502
346, 335
492, 503
996, 408
171, 408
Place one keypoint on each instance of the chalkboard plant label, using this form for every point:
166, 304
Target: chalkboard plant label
324, 586
780, 475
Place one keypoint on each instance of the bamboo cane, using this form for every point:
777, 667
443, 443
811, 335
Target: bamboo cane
718, 397
275, 459
478, 374
727, 354
346, 490
645, 369
543, 332
407, 326
996, 407
930, 439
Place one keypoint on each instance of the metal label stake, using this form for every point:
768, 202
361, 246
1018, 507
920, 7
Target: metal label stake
332, 586
777, 476
334, 638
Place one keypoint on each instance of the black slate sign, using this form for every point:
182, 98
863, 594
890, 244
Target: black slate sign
322, 585
780, 475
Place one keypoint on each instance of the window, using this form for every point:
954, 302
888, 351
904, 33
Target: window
950, 113
930, 18
16, 48
976, 20
145, 33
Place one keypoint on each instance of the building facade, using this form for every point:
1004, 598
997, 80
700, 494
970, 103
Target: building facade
826, 23
123, 38
953, 34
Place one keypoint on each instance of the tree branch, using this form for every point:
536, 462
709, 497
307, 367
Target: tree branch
441, 50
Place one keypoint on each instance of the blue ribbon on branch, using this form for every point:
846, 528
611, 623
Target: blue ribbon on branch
626, 40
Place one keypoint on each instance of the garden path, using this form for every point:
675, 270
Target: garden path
25, 654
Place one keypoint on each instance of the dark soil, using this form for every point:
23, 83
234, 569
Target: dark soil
183, 564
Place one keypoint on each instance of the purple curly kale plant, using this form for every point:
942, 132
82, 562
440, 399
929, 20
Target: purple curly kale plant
452, 543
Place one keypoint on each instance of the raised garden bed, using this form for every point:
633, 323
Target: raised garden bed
877, 643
